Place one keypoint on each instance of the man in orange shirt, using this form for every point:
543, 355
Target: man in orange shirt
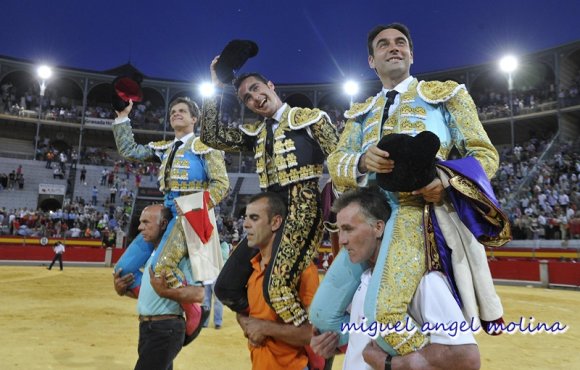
272, 343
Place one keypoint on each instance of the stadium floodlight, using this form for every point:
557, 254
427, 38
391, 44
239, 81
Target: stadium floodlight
44, 72
206, 89
350, 88
509, 64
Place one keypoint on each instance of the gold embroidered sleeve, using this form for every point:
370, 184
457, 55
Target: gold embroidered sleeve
343, 162
219, 183
325, 133
468, 134
214, 134
127, 146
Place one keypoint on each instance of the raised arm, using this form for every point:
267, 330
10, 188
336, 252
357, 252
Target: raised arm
125, 141
213, 133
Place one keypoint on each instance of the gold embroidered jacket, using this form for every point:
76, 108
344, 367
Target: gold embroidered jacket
445, 108
196, 167
302, 140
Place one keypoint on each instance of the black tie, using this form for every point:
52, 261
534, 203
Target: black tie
169, 163
390, 100
270, 136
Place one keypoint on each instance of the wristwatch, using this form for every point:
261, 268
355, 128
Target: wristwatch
388, 362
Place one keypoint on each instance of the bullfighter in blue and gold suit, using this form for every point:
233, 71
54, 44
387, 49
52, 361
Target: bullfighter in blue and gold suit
414, 243
289, 147
187, 166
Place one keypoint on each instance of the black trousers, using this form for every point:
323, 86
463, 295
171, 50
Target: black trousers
57, 256
159, 343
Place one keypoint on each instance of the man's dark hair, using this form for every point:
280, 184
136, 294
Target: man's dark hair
276, 204
193, 108
239, 79
372, 201
380, 28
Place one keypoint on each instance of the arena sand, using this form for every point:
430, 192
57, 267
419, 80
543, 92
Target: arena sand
73, 320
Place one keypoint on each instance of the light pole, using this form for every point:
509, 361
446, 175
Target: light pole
44, 73
509, 64
350, 88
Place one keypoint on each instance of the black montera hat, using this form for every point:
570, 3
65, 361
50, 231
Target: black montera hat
415, 159
233, 57
126, 88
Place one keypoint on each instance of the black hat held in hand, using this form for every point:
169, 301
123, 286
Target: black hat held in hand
233, 57
126, 88
414, 161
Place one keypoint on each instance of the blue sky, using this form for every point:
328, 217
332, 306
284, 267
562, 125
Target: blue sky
300, 41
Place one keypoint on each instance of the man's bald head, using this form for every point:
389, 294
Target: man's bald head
153, 222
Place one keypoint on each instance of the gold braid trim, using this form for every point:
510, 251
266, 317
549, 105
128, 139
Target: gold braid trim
216, 135
301, 235
219, 182
468, 134
160, 145
343, 161
401, 274
199, 148
359, 109
433, 261
303, 117
252, 129
490, 212
486, 208
174, 249
435, 92
325, 134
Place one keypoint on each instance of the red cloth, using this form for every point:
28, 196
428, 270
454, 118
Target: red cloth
199, 220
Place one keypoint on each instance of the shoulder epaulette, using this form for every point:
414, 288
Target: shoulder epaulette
303, 117
359, 109
434, 92
160, 145
252, 129
200, 148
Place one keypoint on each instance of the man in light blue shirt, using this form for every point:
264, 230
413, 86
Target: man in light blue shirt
159, 306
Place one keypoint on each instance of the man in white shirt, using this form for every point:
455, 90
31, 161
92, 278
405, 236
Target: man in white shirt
75, 232
361, 216
58, 252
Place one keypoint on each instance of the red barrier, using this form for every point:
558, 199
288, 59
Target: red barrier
566, 273
72, 254
30, 241
515, 270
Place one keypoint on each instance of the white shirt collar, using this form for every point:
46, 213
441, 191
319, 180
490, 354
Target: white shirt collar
402, 87
184, 139
278, 115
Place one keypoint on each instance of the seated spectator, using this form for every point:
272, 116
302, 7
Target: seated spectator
96, 234
58, 173
75, 232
